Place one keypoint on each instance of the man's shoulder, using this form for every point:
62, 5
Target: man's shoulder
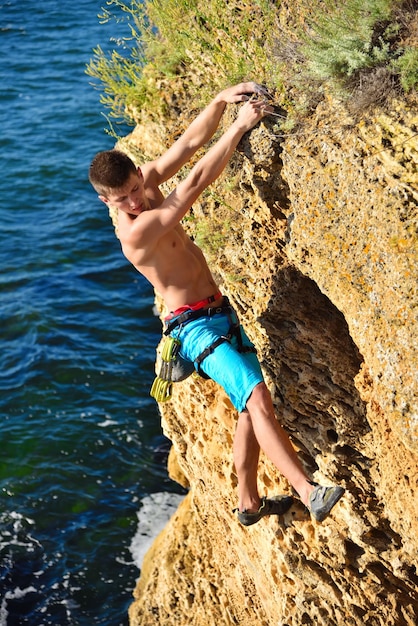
150, 173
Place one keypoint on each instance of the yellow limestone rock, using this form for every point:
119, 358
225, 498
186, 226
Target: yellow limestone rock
318, 252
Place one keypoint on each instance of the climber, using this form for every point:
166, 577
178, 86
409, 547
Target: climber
154, 241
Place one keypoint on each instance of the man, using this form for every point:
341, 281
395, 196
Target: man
154, 241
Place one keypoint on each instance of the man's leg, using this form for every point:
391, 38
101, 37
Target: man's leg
274, 441
246, 454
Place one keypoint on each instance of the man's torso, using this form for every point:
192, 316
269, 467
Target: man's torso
173, 264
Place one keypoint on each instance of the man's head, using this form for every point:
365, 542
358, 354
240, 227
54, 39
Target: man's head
118, 181
110, 170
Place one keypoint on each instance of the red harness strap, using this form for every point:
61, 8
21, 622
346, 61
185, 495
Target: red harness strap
195, 306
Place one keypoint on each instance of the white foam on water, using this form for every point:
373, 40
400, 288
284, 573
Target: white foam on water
12, 595
107, 422
155, 512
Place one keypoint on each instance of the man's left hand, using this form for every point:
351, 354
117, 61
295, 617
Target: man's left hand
242, 92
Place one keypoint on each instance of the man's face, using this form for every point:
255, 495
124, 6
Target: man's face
130, 198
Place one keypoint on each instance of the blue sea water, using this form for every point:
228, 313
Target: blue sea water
81, 447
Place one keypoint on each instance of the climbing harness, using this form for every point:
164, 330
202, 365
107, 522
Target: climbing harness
173, 367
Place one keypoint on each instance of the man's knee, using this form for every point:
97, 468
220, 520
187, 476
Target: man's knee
259, 395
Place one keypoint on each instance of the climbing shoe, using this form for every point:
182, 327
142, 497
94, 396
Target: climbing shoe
322, 500
273, 506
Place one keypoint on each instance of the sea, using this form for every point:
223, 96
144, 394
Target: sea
83, 481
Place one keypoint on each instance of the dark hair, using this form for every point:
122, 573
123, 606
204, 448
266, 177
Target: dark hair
110, 170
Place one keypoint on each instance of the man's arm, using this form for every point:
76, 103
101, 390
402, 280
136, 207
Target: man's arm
151, 225
198, 133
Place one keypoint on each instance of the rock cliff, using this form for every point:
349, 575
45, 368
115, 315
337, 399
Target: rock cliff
313, 236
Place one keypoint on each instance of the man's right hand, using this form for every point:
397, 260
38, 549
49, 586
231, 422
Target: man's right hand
251, 113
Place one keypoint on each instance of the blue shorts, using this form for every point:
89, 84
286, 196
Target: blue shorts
238, 373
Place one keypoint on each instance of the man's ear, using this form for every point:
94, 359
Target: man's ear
140, 174
103, 199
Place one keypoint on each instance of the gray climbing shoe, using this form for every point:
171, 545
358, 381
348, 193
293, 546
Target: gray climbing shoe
272, 506
322, 500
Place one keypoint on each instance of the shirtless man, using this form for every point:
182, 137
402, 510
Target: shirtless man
154, 241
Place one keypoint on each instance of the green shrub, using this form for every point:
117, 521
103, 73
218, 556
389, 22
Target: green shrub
351, 39
407, 67
342, 39
220, 42
119, 74
353, 46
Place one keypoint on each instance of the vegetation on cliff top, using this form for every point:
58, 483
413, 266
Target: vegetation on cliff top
365, 48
